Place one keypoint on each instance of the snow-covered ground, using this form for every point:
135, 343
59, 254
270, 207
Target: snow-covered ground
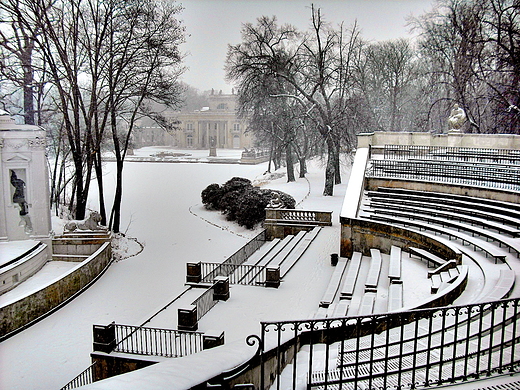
162, 209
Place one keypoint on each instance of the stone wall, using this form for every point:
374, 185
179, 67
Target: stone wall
16, 315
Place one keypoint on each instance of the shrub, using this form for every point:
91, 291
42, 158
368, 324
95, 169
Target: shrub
251, 208
211, 196
241, 202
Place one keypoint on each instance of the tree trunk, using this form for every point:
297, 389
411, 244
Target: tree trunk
330, 170
98, 167
116, 209
290, 163
303, 166
337, 173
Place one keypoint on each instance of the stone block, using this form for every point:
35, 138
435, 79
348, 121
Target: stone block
221, 289
212, 340
104, 337
272, 277
187, 319
193, 273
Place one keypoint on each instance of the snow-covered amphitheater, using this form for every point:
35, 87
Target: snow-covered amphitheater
409, 283
422, 294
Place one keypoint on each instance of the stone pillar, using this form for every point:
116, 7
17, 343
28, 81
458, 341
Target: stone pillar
187, 319
193, 272
221, 288
212, 340
104, 337
272, 277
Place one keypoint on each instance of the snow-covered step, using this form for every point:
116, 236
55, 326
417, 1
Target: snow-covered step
263, 251
349, 284
298, 251
374, 271
395, 264
275, 251
335, 280
282, 255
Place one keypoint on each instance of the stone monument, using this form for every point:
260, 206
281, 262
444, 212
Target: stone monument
212, 147
456, 119
24, 202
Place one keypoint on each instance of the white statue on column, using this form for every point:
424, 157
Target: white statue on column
456, 119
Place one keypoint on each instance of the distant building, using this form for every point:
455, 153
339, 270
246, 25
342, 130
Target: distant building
216, 125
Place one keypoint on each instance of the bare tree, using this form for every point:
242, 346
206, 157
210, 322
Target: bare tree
318, 66
473, 50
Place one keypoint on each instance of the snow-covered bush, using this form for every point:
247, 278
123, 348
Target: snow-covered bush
211, 196
241, 202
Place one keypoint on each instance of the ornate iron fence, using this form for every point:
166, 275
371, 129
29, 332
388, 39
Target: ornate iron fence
157, 342
393, 350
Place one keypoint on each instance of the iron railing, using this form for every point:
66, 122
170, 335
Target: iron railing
157, 342
403, 152
403, 350
83, 379
484, 175
204, 303
239, 257
247, 274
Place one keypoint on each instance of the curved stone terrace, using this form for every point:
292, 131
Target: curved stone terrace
265, 306
482, 277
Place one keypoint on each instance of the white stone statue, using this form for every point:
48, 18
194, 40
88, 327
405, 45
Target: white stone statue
456, 118
91, 223
275, 201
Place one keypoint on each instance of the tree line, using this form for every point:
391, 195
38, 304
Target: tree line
309, 92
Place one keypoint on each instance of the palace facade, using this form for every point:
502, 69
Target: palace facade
214, 126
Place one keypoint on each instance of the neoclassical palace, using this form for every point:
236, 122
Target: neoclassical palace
216, 125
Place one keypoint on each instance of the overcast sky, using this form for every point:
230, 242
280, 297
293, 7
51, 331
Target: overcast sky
213, 24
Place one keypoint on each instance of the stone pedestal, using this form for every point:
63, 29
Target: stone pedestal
272, 277
213, 152
24, 183
221, 289
104, 338
212, 339
193, 273
187, 319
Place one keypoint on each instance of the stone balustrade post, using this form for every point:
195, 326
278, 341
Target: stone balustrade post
104, 337
212, 340
272, 277
187, 318
193, 272
221, 288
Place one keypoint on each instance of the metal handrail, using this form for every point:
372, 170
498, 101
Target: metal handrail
156, 341
86, 377
396, 350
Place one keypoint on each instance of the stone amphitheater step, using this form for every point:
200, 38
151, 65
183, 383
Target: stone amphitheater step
291, 259
258, 255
